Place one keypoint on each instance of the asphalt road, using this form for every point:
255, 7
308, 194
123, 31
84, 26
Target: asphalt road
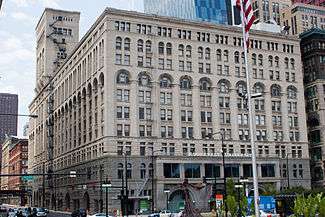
51, 214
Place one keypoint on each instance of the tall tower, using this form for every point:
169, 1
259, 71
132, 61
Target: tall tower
57, 34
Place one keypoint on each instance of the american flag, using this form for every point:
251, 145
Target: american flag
247, 17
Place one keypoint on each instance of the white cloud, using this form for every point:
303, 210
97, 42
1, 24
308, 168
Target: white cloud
43, 3
23, 17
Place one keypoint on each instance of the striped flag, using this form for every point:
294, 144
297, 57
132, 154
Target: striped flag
247, 17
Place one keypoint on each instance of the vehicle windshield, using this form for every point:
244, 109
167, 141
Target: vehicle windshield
40, 209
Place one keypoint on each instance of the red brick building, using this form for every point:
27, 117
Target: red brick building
18, 161
312, 2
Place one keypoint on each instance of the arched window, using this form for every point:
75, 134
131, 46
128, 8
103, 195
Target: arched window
223, 86
143, 79
292, 63
161, 48
188, 51
122, 77
207, 53
292, 92
270, 61
260, 60
241, 87
120, 171
226, 55
140, 45
181, 50
165, 81
200, 52
218, 55
148, 46
236, 57
142, 171
275, 90
205, 84
185, 83
169, 48
254, 62
276, 61
118, 43
127, 44
286, 62
258, 88
129, 171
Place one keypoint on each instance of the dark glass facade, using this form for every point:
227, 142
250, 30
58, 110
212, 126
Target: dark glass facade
216, 11
8, 123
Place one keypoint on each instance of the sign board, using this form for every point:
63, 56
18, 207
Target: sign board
73, 174
27, 178
219, 200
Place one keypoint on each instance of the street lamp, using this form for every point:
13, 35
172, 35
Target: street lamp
167, 191
224, 167
244, 181
152, 179
238, 187
107, 184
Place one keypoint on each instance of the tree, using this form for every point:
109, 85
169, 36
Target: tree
232, 205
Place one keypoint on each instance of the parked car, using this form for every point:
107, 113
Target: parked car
41, 212
266, 214
12, 212
79, 213
165, 213
3, 208
155, 214
100, 215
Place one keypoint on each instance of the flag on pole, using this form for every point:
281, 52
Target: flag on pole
248, 17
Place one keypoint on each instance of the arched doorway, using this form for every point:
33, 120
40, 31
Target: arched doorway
176, 201
86, 201
67, 202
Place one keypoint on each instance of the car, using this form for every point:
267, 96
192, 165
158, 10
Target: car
165, 213
41, 212
155, 214
177, 214
12, 212
266, 214
79, 213
3, 208
100, 215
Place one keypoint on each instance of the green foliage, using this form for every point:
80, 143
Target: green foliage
308, 206
322, 207
231, 187
232, 205
269, 190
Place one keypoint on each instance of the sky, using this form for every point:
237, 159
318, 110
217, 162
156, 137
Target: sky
18, 19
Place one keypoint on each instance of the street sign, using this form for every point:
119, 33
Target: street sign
73, 174
27, 178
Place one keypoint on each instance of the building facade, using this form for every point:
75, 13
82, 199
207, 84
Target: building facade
8, 123
18, 164
312, 2
129, 98
269, 10
216, 11
303, 17
313, 52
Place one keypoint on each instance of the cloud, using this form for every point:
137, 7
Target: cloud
26, 18
43, 3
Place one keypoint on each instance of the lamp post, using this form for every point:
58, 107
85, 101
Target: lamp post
167, 191
238, 187
152, 179
101, 188
244, 181
288, 174
224, 167
107, 184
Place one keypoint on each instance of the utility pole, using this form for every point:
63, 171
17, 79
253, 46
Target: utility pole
43, 190
101, 188
126, 186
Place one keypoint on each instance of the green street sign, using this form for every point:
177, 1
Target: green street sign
27, 178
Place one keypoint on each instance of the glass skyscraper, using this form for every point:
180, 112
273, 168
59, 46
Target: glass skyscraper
216, 11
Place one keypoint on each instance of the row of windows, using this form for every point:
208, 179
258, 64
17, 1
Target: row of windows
200, 36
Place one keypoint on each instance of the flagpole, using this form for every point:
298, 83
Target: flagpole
250, 114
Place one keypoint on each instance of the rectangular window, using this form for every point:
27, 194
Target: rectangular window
232, 170
212, 170
268, 170
192, 170
171, 170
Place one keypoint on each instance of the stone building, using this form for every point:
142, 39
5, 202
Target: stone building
303, 17
154, 89
313, 54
